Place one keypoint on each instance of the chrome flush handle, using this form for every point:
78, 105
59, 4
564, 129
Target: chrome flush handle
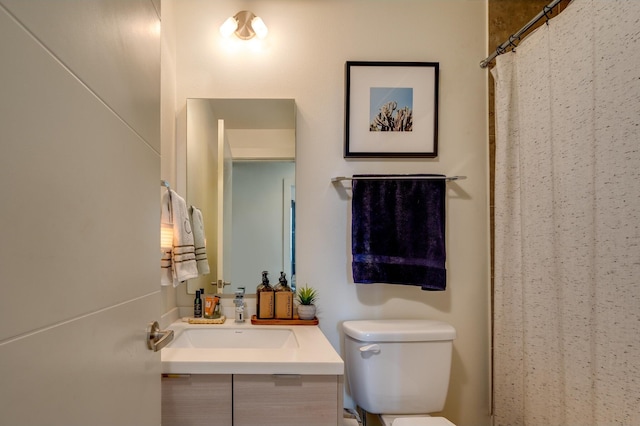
156, 338
370, 348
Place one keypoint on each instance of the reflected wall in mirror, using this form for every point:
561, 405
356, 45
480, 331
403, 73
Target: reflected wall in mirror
241, 175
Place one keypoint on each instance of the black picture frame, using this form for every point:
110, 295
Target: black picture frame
391, 109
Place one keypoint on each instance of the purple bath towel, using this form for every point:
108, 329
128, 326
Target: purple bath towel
398, 228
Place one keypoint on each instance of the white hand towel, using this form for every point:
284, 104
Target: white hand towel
200, 241
166, 269
166, 264
184, 257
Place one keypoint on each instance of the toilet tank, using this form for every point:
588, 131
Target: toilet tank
398, 366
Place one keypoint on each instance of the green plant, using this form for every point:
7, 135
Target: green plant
306, 295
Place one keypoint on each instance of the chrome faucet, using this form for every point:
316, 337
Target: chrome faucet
239, 302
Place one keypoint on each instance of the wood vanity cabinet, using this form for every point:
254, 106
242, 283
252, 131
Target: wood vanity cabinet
197, 400
286, 400
251, 400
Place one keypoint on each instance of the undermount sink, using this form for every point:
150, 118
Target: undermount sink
235, 338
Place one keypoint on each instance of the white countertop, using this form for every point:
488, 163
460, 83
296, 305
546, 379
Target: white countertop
315, 355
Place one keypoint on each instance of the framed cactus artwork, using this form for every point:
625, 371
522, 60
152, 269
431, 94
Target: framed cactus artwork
391, 109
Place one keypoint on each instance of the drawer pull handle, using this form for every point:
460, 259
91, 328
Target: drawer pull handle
287, 376
175, 376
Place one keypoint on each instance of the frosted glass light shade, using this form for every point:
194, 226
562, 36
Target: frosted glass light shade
259, 27
228, 27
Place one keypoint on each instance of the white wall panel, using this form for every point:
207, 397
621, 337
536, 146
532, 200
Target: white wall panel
82, 223
84, 372
93, 39
79, 217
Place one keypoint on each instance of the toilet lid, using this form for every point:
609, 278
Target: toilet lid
421, 421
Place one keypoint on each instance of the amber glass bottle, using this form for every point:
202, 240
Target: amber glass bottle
264, 298
284, 298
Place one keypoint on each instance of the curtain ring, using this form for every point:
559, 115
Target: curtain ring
512, 43
547, 11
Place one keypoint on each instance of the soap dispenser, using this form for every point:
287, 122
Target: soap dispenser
239, 302
264, 298
284, 298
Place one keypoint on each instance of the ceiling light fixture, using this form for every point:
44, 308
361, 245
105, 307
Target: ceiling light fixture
245, 25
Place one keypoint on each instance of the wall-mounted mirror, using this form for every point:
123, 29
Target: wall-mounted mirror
241, 175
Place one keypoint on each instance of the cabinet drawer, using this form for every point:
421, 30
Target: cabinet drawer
284, 400
196, 400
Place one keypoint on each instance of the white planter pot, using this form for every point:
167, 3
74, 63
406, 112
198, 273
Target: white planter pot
306, 312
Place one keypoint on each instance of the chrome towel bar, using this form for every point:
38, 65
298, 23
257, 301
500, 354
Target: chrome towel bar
447, 178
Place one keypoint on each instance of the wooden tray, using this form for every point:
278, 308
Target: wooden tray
294, 321
192, 320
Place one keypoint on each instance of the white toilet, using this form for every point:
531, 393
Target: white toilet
399, 369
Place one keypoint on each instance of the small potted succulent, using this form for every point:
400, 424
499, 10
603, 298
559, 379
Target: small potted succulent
306, 297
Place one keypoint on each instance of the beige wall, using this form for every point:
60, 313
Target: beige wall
168, 168
303, 58
79, 168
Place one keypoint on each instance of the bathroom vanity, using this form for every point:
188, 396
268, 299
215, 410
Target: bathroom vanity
244, 374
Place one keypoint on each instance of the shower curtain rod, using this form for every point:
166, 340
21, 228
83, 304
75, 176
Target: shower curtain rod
516, 37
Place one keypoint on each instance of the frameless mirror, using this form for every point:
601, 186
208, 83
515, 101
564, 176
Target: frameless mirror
241, 175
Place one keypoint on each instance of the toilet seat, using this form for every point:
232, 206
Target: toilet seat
408, 420
421, 421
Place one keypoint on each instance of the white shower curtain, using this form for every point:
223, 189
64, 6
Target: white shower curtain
567, 215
